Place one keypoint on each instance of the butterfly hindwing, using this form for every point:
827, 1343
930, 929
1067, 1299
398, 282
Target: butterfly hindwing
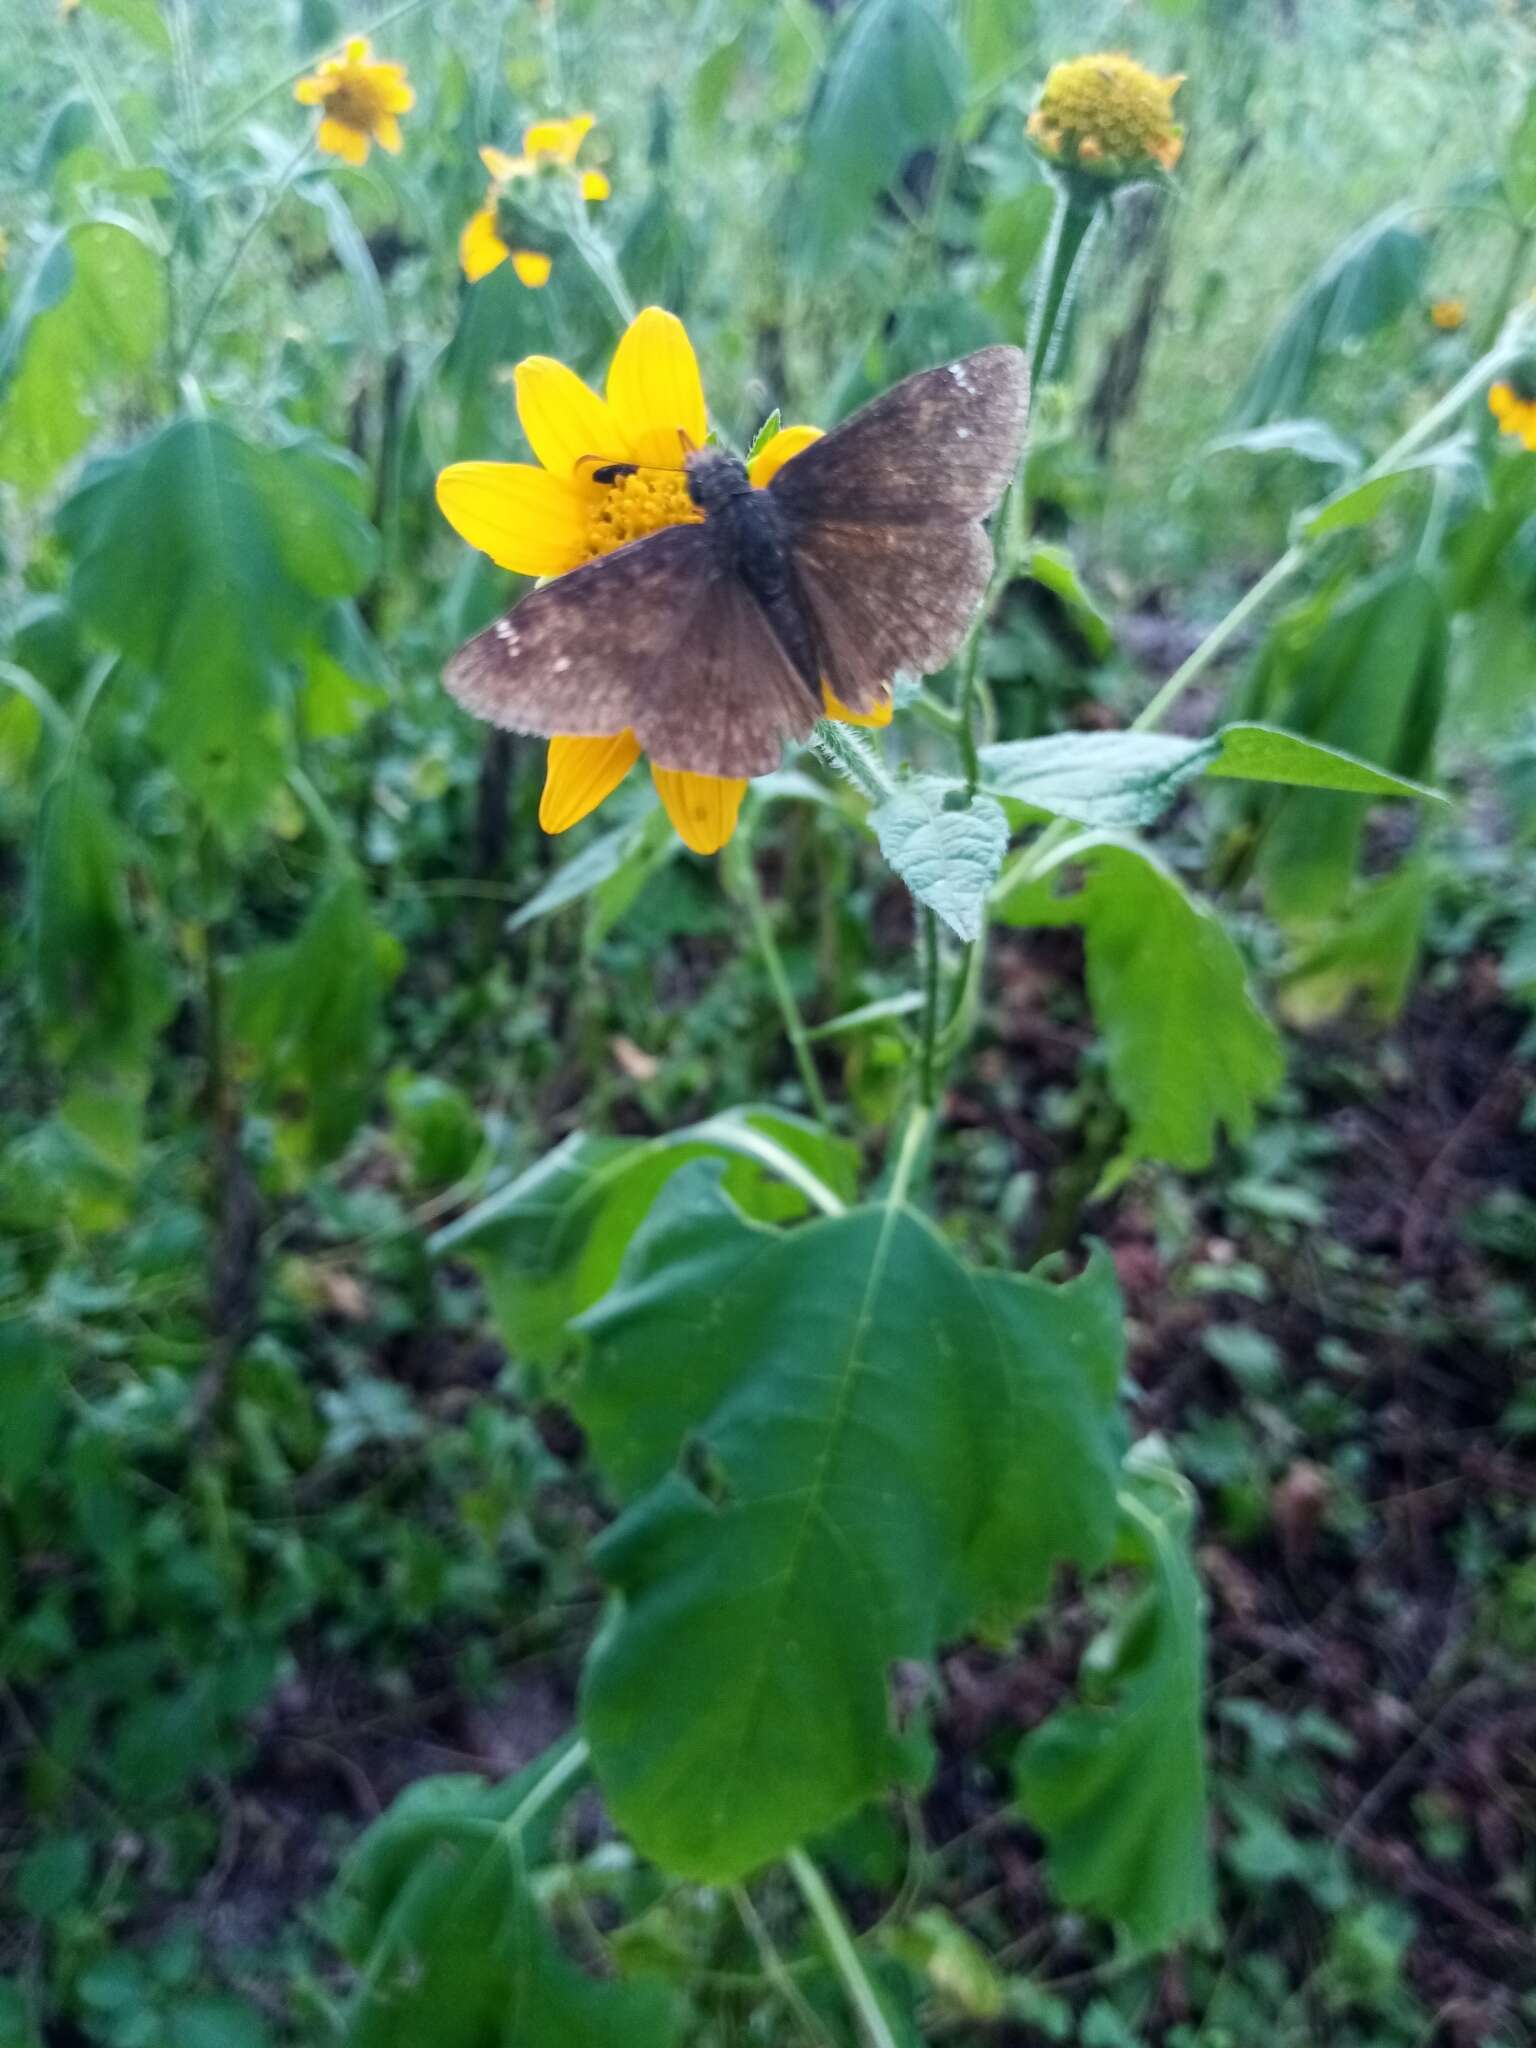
659, 638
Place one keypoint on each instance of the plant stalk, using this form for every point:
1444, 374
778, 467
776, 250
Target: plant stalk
743, 870
845, 1957
253, 228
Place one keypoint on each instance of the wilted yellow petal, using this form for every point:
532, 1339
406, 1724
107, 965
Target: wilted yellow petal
580, 773
595, 186
703, 808
563, 418
836, 708
532, 267
655, 390
337, 139
480, 247
500, 165
525, 519
772, 456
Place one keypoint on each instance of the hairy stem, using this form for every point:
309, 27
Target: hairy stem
253, 228
743, 877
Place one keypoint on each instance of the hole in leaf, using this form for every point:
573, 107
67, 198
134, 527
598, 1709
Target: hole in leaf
705, 1473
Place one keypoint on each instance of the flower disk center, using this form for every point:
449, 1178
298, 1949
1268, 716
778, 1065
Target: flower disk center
632, 506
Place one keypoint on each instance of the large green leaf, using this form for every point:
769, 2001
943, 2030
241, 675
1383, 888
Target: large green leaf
308, 1013
93, 307
1116, 780
1188, 1048
101, 990
945, 847
1367, 281
550, 1243
210, 560
1117, 1785
850, 1447
439, 1913
893, 85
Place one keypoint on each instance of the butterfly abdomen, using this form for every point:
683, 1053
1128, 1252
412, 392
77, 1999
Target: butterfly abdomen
749, 529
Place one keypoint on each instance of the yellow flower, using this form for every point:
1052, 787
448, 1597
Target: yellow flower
1515, 412
1448, 314
542, 521
546, 145
1108, 116
362, 100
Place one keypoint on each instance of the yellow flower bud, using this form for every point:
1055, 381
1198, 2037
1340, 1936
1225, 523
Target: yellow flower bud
1109, 117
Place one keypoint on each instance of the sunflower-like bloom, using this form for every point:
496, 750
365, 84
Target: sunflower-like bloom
1109, 117
547, 146
1514, 407
1448, 315
544, 520
362, 100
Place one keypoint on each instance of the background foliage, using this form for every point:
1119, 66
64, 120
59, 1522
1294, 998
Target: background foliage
429, 1265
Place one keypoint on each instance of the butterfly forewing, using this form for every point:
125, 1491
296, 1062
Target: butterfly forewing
659, 638
884, 516
938, 446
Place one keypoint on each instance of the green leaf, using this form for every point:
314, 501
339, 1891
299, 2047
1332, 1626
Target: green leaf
1520, 164
1188, 1048
947, 851
765, 434
1360, 505
894, 84
101, 990
208, 2020
1116, 780
33, 1402
209, 560
1369, 682
849, 1447
1313, 440
1056, 569
549, 1244
1250, 752
629, 850
1368, 280
1370, 949
1117, 1786
93, 308
308, 1013
1108, 779
52, 1876
141, 18
441, 1918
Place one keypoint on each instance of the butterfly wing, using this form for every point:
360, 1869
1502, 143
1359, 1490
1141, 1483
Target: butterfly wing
884, 518
660, 638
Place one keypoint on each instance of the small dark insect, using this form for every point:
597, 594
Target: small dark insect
865, 555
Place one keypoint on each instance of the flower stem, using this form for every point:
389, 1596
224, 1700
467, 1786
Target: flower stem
928, 1072
845, 1957
743, 876
913, 1133
253, 228
854, 758
1071, 223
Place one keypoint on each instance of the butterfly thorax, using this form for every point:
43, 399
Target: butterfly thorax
748, 528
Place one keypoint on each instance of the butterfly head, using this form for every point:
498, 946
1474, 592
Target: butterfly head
715, 477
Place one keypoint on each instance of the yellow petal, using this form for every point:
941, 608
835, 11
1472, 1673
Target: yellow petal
499, 164
702, 808
337, 139
310, 92
564, 419
595, 186
655, 390
836, 708
525, 519
386, 132
532, 266
393, 89
357, 50
580, 773
772, 456
480, 247
557, 139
